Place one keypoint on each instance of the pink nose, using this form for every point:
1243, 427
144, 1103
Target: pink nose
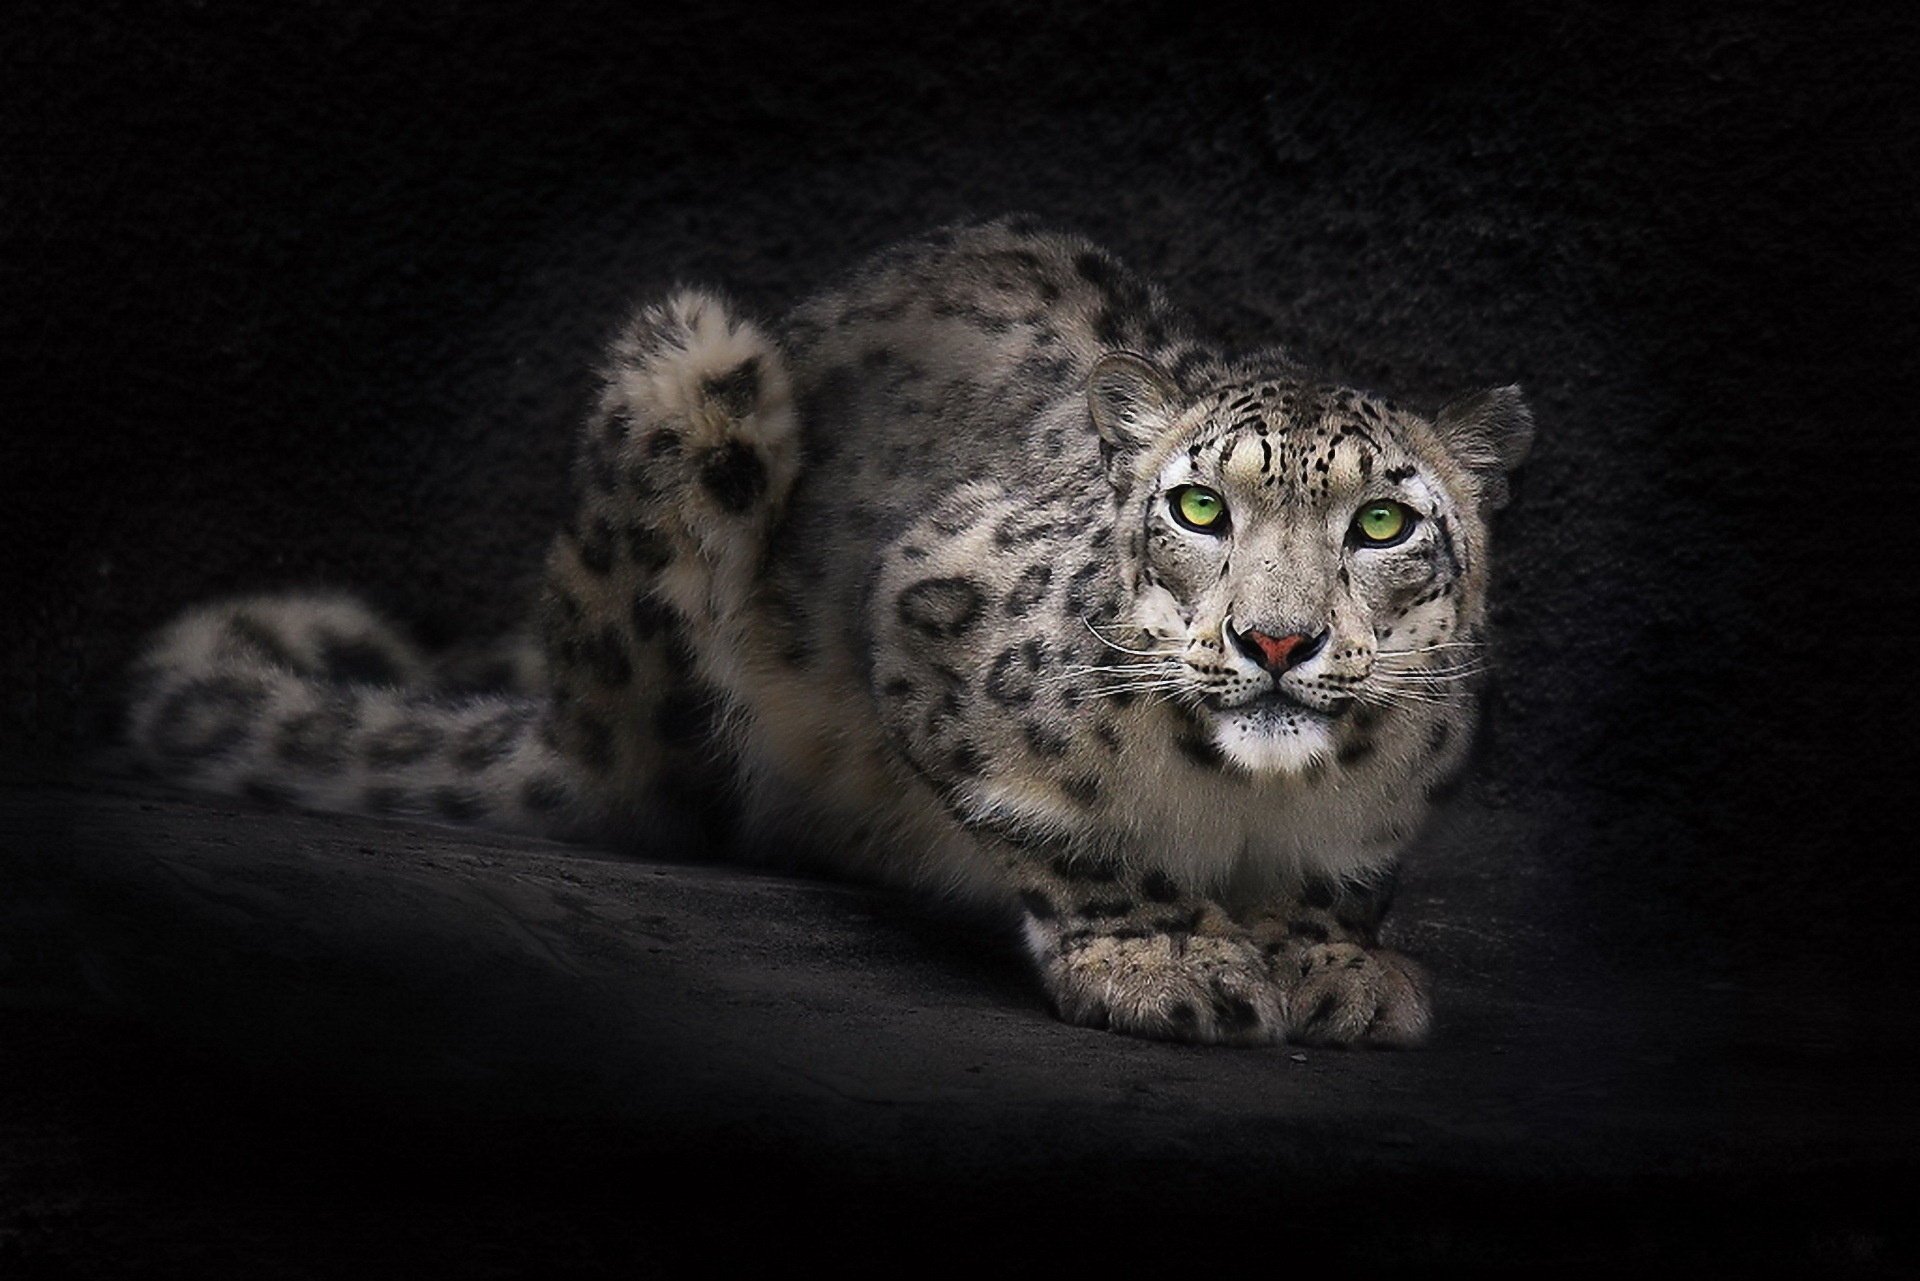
1279, 653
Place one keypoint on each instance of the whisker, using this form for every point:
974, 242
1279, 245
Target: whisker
1163, 690
1403, 697
1438, 669
1419, 655
1387, 695
1413, 680
1141, 672
1110, 644
1150, 678
1406, 680
1437, 645
1431, 678
1134, 687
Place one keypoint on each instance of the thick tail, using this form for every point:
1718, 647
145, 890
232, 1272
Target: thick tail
313, 701
650, 608
647, 622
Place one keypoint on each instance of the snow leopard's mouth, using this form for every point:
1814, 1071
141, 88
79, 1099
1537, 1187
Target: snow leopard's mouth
1273, 733
1277, 705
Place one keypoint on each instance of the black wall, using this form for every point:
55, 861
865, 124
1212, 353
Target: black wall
309, 292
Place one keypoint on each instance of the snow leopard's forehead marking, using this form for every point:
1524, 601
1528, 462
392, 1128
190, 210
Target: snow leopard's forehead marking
1291, 441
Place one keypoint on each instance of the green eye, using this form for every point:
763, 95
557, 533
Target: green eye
1198, 507
1383, 523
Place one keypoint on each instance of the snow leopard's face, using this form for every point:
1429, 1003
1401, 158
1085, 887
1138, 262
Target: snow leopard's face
1300, 551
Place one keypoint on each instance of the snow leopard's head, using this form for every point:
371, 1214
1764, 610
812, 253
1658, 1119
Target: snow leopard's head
1296, 550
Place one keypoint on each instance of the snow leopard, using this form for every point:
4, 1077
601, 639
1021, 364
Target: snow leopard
981, 573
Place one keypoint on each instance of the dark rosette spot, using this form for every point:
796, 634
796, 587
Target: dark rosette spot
1159, 887
208, 718
967, 761
1088, 596
956, 513
248, 635
1011, 678
1025, 527
595, 545
615, 427
1234, 1013
1081, 789
490, 741
650, 617
1083, 869
940, 607
604, 654
1044, 742
543, 794
599, 470
403, 743
1201, 751
735, 475
317, 740
1029, 589
648, 548
736, 392
944, 712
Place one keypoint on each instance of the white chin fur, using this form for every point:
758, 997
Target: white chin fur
1263, 741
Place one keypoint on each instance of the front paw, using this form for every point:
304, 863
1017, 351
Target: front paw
1344, 994
1169, 986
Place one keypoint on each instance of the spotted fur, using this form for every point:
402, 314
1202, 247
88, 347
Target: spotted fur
898, 582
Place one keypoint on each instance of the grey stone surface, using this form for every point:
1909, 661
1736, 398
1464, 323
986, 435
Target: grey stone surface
303, 996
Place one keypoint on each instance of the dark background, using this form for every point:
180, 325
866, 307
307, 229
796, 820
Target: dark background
310, 292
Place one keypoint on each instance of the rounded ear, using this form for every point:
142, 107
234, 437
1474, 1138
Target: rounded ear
1488, 433
1130, 399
